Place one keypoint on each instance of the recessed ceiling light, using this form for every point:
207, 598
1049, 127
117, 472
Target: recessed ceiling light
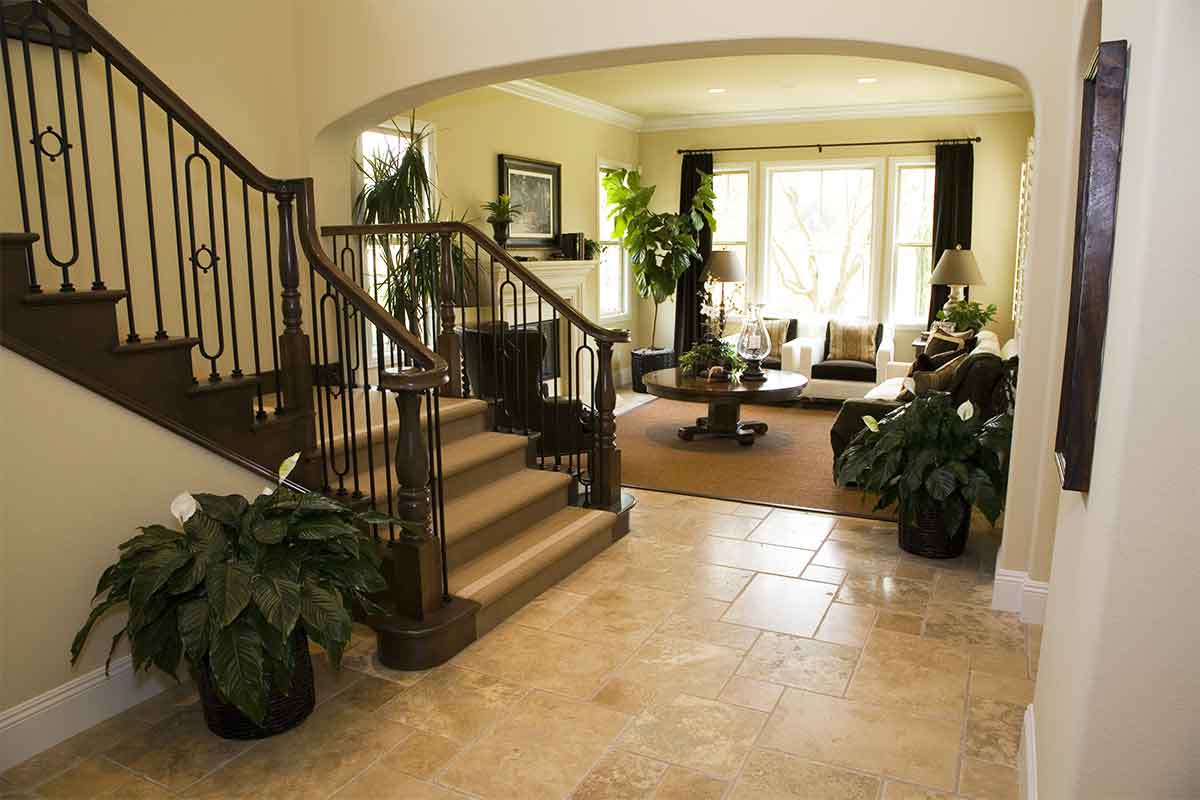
868, 80
716, 91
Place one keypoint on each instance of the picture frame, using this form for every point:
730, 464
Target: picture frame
537, 187
1095, 219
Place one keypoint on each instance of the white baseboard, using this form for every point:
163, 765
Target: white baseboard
1027, 758
1015, 591
43, 721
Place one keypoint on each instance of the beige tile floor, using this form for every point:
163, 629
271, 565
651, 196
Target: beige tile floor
721, 650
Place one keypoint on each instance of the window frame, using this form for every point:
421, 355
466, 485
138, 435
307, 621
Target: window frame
626, 315
357, 179
887, 294
750, 245
878, 212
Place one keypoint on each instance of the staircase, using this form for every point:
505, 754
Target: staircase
199, 339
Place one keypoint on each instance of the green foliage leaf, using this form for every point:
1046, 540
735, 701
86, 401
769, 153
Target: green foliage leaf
228, 591
272, 530
325, 621
323, 527
227, 509
192, 620
153, 639
940, 483
278, 600
236, 658
93, 617
154, 571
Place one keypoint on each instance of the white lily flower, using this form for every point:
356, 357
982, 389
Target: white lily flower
871, 423
288, 465
268, 491
966, 411
183, 507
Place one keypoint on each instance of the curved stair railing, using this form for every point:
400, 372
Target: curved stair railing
507, 337
125, 185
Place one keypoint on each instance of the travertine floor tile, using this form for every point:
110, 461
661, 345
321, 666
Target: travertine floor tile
327, 680
900, 622
685, 625
621, 776
704, 735
751, 510
751, 693
166, 704
72, 751
721, 525
893, 790
774, 776
874, 536
911, 674
547, 608
1018, 691
100, 778
865, 737
176, 752
815, 572
753, 555
364, 659
626, 696
618, 615
995, 639
421, 754
381, 783
980, 780
369, 694
541, 750
802, 663
845, 624
953, 587
885, 591
856, 557
689, 577
793, 529
542, 660
787, 605
993, 731
686, 784
456, 703
669, 665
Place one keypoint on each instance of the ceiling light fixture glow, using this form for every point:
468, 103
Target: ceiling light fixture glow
716, 91
867, 80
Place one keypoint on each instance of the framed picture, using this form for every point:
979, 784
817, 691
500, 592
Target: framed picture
537, 187
1095, 218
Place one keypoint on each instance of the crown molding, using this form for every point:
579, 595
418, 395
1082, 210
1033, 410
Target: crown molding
568, 101
936, 108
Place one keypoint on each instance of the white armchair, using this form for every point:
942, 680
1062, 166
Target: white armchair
837, 380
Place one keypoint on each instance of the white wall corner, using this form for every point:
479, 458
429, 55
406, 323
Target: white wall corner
43, 721
1006, 591
1027, 758
1033, 601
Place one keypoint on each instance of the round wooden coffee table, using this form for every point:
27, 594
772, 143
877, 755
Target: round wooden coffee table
725, 400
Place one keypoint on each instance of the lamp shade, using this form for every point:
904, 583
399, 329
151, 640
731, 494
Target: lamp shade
724, 266
957, 267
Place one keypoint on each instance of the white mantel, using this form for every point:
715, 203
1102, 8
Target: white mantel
578, 282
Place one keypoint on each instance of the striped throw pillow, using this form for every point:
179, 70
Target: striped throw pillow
852, 341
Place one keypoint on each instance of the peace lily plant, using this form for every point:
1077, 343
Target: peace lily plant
228, 592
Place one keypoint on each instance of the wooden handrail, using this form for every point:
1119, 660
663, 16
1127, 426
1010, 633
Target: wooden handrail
434, 370
553, 298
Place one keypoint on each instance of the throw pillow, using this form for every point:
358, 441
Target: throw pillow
940, 342
777, 330
938, 380
852, 341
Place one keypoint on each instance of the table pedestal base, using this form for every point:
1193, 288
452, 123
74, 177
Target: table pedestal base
723, 422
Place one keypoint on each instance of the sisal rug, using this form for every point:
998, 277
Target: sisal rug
792, 465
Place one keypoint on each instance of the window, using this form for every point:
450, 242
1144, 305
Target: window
912, 240
732, 212
614, 261
820, 239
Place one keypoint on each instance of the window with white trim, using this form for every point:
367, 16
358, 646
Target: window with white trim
731, 210
614, 261
912, 240
820, 239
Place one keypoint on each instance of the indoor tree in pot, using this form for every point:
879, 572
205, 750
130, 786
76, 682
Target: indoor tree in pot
935, 462
237, 595
661, 245
501, 212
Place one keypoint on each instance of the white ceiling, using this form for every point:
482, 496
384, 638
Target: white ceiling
669, 90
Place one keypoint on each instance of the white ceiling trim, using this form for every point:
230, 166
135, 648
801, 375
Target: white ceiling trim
936, 108
584, 106
568, 101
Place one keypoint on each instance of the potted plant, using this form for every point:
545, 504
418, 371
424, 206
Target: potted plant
966, 316
935, 462
661, 247
238, 593
501, 212
712, 353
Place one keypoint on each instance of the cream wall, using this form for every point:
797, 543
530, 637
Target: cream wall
996, 184
1117, 709
80, 474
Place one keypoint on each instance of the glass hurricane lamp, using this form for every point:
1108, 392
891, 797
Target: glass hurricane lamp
753, 344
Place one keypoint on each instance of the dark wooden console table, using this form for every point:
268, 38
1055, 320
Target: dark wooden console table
725, 400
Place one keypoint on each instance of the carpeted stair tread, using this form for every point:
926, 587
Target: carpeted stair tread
502, 569
452, 409
469, 453
491, 503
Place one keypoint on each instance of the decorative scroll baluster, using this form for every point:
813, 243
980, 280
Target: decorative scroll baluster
97, 279
448, 344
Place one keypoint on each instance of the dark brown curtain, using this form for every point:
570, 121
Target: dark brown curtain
689, 324
953, 182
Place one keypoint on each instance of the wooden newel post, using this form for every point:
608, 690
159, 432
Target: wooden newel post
417, 565
448, 344
606, 470
295, 357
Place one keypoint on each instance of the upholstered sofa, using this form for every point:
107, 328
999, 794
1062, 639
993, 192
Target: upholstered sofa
836, 379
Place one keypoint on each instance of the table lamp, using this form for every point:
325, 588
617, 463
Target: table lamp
724, 266
957, 269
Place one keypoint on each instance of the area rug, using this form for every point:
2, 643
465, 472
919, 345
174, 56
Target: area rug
791, 465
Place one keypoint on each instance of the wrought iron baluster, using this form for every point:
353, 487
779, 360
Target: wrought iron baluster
183, 287
18, 162
260, 414
319, 364
160, 332
271, 293
233, 337
97, 279
120, 197
208, 265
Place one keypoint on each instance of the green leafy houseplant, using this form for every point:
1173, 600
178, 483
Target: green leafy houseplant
227, 593
713, 353
661, 246
967, 315
502, 209
928, 456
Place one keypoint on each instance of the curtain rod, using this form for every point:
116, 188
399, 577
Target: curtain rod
821, 147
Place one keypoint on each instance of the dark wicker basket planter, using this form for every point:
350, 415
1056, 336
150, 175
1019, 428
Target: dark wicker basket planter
284, 711
926, 535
